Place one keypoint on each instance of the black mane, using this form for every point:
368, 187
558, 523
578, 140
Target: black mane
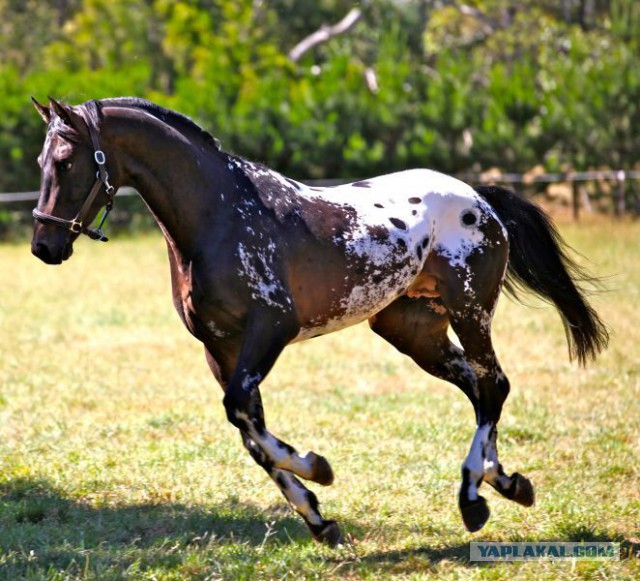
177, 120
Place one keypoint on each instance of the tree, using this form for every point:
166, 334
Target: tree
450, 84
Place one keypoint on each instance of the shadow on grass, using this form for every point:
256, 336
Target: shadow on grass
399, 562
38, 523
629, 547
42, 530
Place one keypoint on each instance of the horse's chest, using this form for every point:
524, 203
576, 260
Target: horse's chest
189, 299
197, 311
183, 296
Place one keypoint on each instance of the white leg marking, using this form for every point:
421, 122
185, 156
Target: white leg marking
474, 461
278, 453
492, 473
300, 464
491, 463
297, 495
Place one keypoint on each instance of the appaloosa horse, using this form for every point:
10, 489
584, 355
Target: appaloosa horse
259, 261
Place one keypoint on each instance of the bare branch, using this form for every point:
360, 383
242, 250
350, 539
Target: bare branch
324, 34
371, 79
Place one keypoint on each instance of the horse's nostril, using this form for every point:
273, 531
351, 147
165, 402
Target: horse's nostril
42, 251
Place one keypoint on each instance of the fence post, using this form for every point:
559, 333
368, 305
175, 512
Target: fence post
619, 202
575, 198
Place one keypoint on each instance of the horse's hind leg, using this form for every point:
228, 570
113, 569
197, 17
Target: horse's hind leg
492, 384
470, 294
515, 487
418, 328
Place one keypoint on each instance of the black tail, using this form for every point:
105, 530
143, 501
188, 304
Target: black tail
538, 261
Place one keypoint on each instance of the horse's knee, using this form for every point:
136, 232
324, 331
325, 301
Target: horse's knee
234, 410
500, 394
244, 409
492, 394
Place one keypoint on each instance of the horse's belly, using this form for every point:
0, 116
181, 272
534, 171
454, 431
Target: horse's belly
354, 303
335, 324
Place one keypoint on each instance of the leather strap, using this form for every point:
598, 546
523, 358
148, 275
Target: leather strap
77, 225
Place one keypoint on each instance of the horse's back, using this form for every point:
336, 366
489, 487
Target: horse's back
423, 208
399, 226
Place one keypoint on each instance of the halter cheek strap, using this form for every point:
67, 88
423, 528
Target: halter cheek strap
77, 225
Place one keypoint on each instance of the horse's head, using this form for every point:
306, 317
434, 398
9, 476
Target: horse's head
74, 183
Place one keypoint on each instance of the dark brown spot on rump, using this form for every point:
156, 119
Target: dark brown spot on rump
362, 184
398, 223
378, 205
469, 218
414, 200
294, 184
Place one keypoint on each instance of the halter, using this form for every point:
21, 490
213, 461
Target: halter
77, 224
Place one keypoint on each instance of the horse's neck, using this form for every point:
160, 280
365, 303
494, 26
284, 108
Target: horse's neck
178, 181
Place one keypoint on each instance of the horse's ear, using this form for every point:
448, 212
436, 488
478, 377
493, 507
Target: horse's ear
62, 111
44, 111
67, 115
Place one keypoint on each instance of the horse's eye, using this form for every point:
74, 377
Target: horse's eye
65, 165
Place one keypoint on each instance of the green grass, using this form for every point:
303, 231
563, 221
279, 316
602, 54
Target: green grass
116, 460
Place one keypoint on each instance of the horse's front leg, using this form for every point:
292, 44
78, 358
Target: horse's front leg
264, 339
301, 499
246, 413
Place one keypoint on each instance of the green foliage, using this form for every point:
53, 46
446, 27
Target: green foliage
414, 83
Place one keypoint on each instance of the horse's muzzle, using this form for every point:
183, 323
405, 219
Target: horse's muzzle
51, 255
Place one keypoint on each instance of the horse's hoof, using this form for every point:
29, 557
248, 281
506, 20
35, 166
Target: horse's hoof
522, 490
330, 535
322, 472
475, 514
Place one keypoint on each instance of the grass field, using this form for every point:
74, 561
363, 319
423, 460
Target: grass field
116, 460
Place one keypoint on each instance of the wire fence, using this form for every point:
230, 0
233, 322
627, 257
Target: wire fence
13, 197
623, 197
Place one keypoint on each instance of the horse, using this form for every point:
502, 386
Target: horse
259, 261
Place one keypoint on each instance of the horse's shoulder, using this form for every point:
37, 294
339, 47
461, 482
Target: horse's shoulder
271, 190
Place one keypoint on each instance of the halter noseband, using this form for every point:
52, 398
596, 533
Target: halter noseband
77, 225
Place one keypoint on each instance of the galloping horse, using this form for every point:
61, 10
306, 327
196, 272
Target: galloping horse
259, 261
